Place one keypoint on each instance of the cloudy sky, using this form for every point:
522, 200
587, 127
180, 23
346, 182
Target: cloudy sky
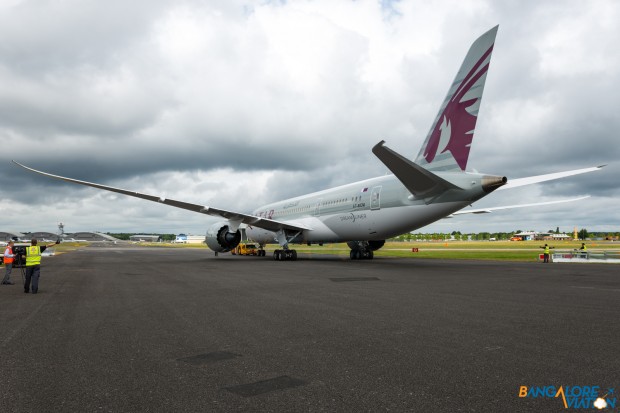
235, 104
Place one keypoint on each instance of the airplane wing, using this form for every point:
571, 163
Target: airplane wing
268, 224
489, 210
514, 183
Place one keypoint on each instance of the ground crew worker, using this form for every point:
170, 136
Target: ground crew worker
546, 253
583, 250
8, 263
33, 265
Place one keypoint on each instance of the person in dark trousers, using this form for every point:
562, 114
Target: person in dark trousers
547, 252
33, 264
8, 263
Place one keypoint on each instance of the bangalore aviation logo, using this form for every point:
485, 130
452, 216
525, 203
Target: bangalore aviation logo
574, 397
454, 129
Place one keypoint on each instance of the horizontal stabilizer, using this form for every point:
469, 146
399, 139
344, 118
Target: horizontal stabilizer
268, 224
489, 210
515, 183
419, 181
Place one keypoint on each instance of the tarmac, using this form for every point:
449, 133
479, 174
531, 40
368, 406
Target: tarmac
128, 329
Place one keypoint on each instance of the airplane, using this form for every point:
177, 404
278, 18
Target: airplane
364, 214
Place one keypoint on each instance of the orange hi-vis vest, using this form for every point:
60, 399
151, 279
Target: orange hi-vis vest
8, 260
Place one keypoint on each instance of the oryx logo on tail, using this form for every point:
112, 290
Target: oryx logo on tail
448, 142
455, 131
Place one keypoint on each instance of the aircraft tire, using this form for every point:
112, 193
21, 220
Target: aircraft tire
284, 255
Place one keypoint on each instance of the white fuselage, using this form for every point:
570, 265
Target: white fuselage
374, 209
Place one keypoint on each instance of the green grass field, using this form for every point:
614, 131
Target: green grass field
473, 250
468, 250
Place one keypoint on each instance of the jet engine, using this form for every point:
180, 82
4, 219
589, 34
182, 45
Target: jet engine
220, 239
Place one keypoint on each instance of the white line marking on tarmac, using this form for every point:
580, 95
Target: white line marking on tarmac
594, 288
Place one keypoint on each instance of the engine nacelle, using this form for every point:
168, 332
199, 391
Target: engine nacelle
220, 239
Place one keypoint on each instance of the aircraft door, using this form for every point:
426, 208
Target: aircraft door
317, 209
375, 198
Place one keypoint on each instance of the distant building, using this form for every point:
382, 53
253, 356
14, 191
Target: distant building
50, 236
546, 236
561, 237
90, 237
542, 236
526, 236
180, 239
145, 238
189, 239
8, 236
42, 236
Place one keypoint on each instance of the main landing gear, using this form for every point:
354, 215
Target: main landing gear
363, 250
361, 254
285, 255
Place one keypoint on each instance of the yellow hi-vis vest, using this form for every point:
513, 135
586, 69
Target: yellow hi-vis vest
547, 250
33, 255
